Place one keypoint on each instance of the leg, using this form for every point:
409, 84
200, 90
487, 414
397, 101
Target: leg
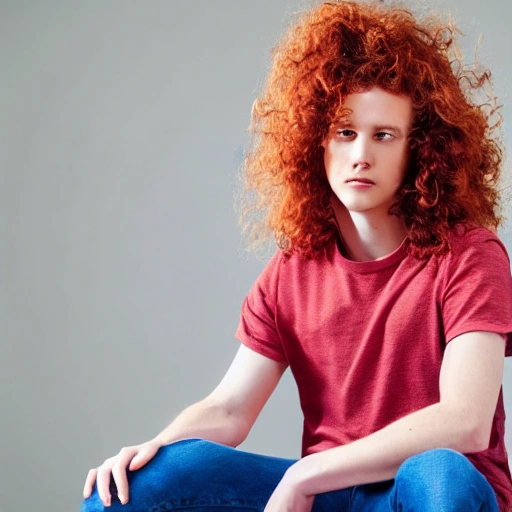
442, 481
434, 481
197, 474
201, 476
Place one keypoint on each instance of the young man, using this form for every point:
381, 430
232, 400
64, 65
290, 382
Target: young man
390, 297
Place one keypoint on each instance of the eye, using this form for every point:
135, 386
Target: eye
345, 133
384, 136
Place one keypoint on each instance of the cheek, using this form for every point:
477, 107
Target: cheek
328, 165
334, 157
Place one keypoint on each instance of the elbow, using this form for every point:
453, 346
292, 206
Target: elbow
479, 440
469, 430
476, 437
237, 432
223, 424
241, 431
238, 427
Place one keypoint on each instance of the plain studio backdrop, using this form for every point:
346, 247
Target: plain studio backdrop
122, 129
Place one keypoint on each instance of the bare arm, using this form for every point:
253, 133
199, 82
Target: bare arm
225, 416
469, 382
228, 413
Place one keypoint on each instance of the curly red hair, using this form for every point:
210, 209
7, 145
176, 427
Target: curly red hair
339, 48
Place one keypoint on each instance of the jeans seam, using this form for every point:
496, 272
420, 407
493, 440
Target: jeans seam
351, 497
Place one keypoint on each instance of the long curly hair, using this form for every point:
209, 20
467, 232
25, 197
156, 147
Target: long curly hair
338, 48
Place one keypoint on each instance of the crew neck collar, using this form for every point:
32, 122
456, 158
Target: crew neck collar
365, 267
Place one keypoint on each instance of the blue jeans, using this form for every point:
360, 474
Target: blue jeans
200, 475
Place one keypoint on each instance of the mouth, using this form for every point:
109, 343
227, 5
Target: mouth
364, 181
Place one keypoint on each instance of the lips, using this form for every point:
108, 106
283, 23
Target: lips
360, 180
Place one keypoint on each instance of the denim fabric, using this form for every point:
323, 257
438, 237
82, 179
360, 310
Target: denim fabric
200, 475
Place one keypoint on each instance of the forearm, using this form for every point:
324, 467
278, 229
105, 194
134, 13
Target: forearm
378, 456
206, 419
469, 385
228, 413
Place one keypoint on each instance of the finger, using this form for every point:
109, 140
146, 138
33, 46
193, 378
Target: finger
143, 457
119, 475
103, 481
89, 482
124, 459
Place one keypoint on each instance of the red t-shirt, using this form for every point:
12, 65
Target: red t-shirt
365, 340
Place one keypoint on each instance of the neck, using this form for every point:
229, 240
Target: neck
368, 236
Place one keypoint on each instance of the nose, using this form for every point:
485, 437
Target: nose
362, 158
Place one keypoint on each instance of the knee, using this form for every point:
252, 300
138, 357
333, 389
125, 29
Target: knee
170, 469
441, 469
441, 463
442, 479
94, 504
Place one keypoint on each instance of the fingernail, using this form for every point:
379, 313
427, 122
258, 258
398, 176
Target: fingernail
108, 502
122, 498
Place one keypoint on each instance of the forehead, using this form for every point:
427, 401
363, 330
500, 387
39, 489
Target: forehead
377, 106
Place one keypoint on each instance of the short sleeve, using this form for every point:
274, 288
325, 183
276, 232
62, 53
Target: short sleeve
257, 327
477, 295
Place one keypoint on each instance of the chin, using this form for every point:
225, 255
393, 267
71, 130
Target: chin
356, 207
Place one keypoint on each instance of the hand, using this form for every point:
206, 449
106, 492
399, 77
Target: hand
288, 497
130, 458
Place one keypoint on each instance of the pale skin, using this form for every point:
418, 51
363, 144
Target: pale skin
370, 147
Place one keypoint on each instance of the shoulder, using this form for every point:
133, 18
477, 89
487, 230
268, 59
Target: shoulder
281, 262
475, 247
476, 284
477, 260
473, 239
291, 273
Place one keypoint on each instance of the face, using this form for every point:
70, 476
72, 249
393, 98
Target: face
366, 154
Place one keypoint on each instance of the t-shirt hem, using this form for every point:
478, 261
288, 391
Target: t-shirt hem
482, 327
258, 348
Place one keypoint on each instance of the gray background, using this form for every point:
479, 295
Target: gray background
122, 128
